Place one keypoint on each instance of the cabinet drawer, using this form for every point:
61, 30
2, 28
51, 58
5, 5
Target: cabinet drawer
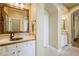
22, 49
12, 50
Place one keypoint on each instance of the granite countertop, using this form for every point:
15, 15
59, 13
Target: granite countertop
7, 41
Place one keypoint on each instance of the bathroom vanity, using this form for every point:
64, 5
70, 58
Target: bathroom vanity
24, 47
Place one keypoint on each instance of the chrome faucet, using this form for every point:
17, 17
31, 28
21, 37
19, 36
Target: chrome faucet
11, 36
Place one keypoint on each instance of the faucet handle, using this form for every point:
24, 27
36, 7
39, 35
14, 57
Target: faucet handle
13, 34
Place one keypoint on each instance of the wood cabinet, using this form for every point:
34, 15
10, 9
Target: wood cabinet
19, 49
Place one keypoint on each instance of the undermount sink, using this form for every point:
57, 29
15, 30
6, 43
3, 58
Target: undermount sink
15, 39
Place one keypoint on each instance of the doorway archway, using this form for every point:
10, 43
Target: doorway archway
72, 31
53, 24
75, 28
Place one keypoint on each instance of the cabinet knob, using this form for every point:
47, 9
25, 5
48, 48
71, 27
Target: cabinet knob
18, 51
16, 46
13, 52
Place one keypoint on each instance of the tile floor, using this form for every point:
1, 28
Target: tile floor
66, 51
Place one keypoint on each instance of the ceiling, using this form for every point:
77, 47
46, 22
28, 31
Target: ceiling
70, 5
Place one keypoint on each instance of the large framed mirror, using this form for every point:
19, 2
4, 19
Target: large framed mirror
14, 20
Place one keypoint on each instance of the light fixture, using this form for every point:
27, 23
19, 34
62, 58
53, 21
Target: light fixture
20, 5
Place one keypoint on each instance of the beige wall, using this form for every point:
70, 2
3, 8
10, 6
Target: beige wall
62, 10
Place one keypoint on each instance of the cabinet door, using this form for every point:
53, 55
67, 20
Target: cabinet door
31, 48
16, 49
20, 49
26, 49
12, 50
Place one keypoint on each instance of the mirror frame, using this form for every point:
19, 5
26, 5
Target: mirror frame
23, 9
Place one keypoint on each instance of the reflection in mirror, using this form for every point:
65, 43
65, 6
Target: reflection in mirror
15, 20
